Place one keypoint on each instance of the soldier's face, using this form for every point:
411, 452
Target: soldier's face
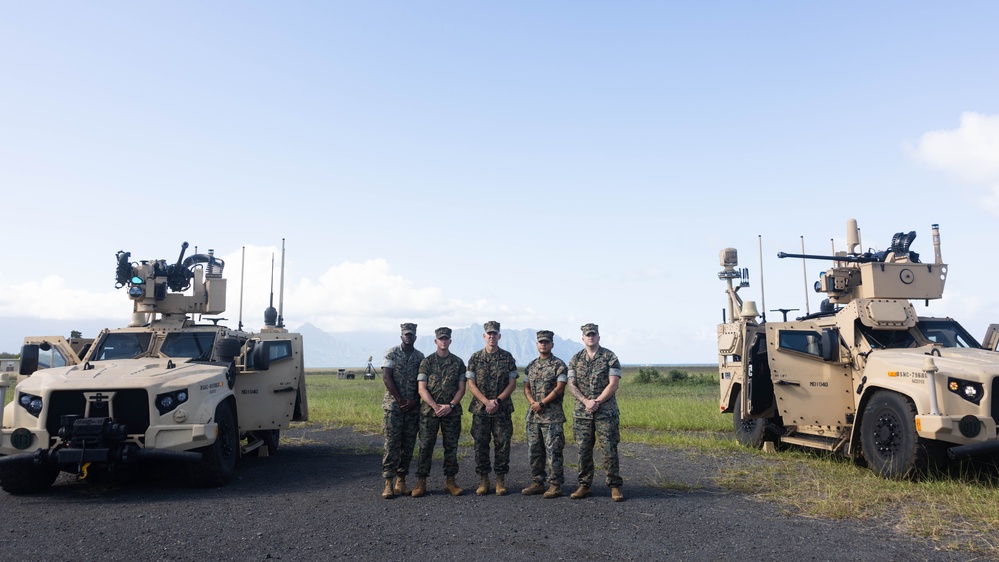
545, 347
591, 338
443, 343
408, 338
492, 339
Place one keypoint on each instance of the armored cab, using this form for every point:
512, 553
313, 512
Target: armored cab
865, 376
165, 388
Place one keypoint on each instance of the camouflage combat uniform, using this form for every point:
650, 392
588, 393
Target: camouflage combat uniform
545, 429
491, 373
442, 375
400, 427
591, 377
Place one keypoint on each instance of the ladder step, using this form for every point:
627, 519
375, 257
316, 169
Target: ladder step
813, 441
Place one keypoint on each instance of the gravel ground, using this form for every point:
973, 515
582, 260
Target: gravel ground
318, 498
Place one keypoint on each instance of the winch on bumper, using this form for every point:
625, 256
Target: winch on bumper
105, 441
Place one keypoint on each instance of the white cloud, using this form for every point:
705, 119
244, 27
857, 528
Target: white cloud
53, 298
970, 152
351, 296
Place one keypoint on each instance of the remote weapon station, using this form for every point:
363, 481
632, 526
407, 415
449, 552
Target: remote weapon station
164, 389
865, 376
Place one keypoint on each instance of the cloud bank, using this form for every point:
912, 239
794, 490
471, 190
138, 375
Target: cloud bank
969, 153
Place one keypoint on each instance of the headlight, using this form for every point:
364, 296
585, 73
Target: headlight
170, 400
969, 390
31, 403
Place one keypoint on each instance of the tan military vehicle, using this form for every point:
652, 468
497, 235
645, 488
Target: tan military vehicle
865, 376
164, 389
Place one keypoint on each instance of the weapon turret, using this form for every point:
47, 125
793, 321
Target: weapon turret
157, 287
895, 273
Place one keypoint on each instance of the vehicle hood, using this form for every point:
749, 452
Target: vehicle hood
952, 361
123, 373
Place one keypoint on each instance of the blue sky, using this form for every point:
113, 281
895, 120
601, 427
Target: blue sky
541, 164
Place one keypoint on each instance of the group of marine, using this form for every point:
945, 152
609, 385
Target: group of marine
423, 399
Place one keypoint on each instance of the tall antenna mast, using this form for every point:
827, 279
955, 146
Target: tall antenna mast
280, 322
270, 314
242, 276
763, 297
804, 275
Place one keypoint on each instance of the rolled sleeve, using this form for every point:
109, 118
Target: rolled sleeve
614, 373
470, 375
514, 374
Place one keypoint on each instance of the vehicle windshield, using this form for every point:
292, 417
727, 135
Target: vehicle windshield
194, 345
887, 339
122, 345
947, 333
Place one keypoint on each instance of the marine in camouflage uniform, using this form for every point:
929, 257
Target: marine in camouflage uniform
544, 384
492, 378
594, 375
441, 383
401, 419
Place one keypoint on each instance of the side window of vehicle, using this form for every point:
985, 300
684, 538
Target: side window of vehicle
278, 350
801, 341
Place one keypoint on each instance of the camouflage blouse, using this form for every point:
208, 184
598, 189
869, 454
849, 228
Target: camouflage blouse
592, 376
491, 372
442, 375
404, 371
542, 376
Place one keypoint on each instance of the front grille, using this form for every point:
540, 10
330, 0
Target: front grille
130, 407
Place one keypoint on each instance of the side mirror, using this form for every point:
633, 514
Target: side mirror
261, 357
29, 359
830, 344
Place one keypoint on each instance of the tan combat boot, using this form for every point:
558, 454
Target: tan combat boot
400, 486
421, 487
387, 492
483, 488
501, 484
451, 487
581, 492
616, 494
553, 492
534, 489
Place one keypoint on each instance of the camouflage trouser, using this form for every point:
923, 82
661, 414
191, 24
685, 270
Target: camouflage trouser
500, 428
546, 441
400, 438
450, 430
588, 431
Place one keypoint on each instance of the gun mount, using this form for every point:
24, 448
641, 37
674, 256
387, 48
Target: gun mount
156, 287
895, 273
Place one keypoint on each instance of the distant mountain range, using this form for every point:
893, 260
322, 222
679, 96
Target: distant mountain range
351, 350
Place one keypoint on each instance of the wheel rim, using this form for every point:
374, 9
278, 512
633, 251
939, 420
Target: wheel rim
887, 439
225, 440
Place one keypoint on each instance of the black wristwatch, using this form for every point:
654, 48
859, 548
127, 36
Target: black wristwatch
453, 407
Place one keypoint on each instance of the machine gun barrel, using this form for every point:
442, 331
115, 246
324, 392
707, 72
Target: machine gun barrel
180, 259
851, 259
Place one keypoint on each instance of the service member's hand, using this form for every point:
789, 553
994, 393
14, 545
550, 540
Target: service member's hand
407, 405
442, 410
591, 406
492, 406
537, 407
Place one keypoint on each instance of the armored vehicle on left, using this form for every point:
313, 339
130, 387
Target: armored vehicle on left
163, 389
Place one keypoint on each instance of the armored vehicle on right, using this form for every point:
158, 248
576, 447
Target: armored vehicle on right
865, 376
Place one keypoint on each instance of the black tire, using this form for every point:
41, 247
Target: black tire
888, 436
26, 478
218, 462
271, 439
751, 433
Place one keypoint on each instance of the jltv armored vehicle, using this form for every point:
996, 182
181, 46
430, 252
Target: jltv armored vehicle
164, 389
865, 376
